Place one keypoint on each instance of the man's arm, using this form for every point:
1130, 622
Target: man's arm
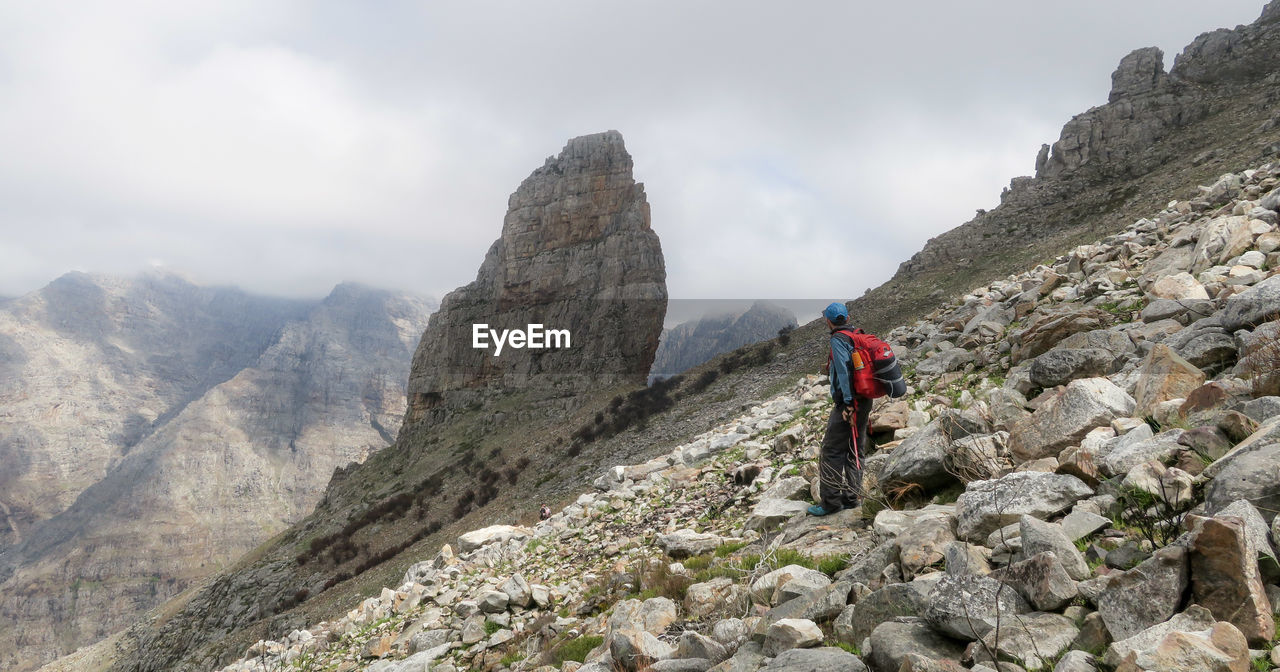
841, 350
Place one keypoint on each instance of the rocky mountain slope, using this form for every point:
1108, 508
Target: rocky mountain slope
1083, 477
691, 343
571, 439
187, 425
1216, 110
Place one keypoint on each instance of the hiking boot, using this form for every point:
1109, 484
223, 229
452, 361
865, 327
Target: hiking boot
819, 510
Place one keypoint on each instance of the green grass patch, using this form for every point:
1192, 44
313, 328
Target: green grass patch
698, 563
491, 627
734, 569
847, 647
729, 548
576, 649
832, 564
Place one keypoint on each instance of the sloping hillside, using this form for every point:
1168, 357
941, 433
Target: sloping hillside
1083, 478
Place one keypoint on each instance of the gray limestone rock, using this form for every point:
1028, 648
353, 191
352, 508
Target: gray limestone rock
1041, 537
892, 641
986, 506
967, 607
1145, 595
823, 659
1067, 417
1042, 580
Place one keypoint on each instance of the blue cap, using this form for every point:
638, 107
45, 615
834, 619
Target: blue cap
836, 312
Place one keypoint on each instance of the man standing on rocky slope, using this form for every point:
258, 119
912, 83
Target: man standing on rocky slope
840, 462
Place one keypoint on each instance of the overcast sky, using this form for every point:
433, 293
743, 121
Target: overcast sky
789, 149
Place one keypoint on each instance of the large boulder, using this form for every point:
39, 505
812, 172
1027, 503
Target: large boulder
968, 607
920, 460
1060, 366
791, 633
1139, 652
1040, 579
1219, 649
945, 361
1039, 536
492, 534
766, 589
1253, 306
1123, 453
636, 650
1220, 240
1178, 287
1164, 376
687, 543
892, 641
1066, 417
770, 513
987, 506
1035, 639
924, 544
1252, 474
895, 600
720, 594
1148, 594
653, 615
824, 659
979, 457
1225, 578
1048, 326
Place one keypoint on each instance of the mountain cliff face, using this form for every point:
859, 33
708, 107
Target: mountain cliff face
691, 343
243, 448
576, 254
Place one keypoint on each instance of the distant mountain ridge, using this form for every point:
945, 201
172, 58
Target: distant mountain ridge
691, 343
155, 430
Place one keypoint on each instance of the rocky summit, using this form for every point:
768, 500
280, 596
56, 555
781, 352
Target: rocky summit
576, 254
1034, 509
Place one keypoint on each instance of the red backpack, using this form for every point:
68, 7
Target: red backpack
873, 367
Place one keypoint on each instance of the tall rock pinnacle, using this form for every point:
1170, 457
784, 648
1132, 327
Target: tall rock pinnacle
576, 254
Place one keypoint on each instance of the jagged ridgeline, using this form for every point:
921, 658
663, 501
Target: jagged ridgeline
467, 459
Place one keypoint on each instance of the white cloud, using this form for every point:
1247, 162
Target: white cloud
788, 150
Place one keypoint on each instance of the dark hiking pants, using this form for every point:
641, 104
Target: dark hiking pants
840, 464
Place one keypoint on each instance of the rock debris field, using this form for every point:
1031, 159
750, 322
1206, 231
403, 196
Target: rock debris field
1084, 476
